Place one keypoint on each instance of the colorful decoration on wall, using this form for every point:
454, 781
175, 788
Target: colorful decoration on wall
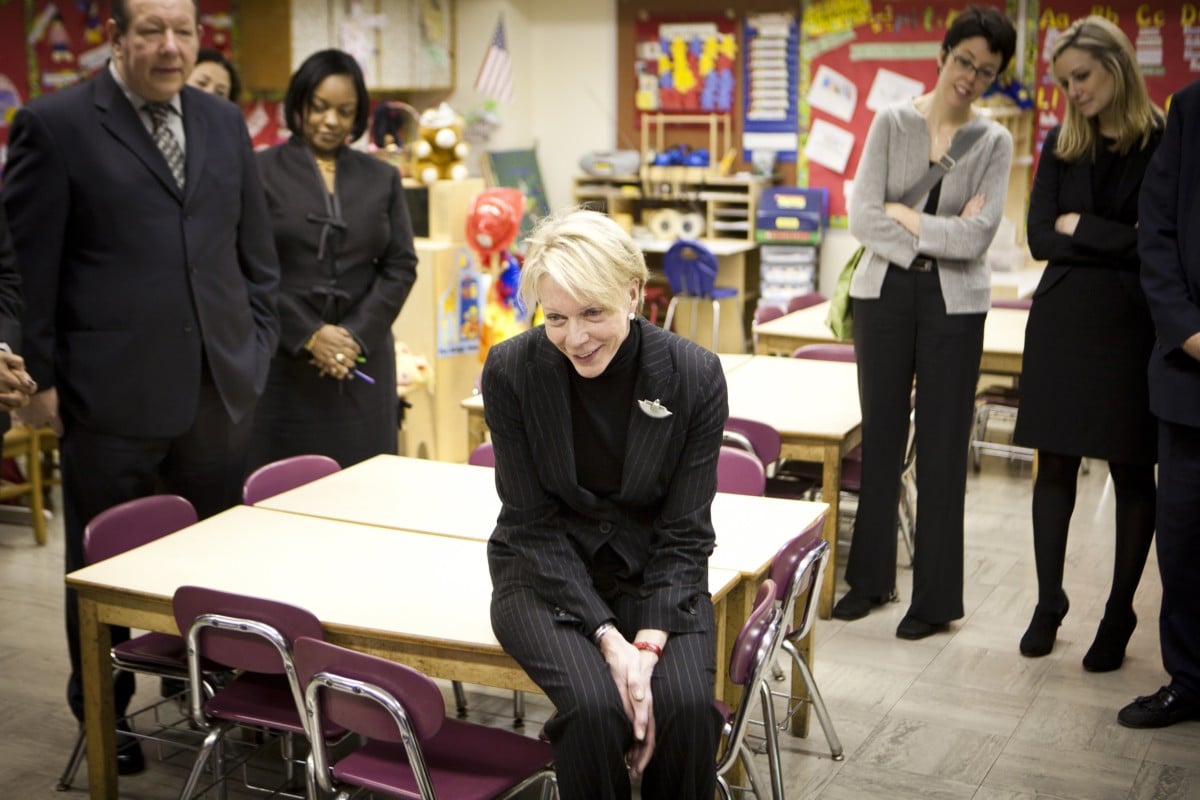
686, 67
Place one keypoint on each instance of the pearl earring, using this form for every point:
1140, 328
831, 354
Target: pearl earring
632, 316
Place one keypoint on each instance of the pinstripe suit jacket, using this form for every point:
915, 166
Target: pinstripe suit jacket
550, 527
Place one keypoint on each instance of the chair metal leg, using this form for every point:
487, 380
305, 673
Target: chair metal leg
518, 708
671, 306
771, 734
209, 749
756, 784
460, 698
68, 774
716, 304
818, 703
695, 318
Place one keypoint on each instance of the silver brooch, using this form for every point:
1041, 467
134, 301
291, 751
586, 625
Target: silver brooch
653, 408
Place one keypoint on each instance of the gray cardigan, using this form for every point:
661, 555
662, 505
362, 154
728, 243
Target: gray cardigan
894, 158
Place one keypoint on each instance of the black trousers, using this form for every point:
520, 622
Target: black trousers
205, 464
906, 334
1179, 554
590, 732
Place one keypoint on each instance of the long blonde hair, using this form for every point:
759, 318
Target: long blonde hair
1136, 116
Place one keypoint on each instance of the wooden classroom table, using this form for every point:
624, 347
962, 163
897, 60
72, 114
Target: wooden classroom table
477, 426
460, 500
1003, 336
814, 406
372, 588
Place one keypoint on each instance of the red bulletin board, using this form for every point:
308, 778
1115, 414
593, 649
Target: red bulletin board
46, 45
1165, 34
855, 39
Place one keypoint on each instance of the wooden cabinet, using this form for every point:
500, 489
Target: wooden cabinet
409, 42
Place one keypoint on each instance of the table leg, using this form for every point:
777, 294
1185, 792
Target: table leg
739, 602
98, 711
831, 489
476, 429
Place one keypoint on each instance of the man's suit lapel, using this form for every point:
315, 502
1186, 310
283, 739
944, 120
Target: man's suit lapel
551, 404
119, 119
195, 128
646, 442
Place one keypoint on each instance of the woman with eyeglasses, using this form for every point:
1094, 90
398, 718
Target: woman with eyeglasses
919, 298
1084, 391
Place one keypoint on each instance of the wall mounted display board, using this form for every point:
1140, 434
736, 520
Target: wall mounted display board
519, 169
770, 79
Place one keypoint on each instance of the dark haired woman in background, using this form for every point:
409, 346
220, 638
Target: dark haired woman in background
214, 74
347, 263
1088, 340
920, 295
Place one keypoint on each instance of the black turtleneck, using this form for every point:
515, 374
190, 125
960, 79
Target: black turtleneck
600, 408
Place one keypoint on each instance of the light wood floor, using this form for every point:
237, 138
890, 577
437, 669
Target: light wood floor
960, 715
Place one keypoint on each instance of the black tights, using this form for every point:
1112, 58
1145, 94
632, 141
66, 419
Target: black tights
1053, 502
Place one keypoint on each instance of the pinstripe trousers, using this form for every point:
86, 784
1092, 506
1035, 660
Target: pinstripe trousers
590, 732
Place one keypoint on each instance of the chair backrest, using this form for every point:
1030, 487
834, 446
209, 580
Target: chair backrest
691, 268
739, 472
763, 440
804, 301
826, 352
753, 652
798, 569
284, 474
240, 631
134, 523
1018, 302
483, 456
766, 313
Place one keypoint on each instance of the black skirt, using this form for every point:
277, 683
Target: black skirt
1083, 380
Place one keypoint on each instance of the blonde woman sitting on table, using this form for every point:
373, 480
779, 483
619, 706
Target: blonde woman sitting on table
606, 432
920, 295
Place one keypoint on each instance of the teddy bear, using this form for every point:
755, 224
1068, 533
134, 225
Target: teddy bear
439, 149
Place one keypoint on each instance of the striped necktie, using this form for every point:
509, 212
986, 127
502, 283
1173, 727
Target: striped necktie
166, 141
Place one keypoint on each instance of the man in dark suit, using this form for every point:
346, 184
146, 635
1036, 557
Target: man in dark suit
1169, 245
150, 278
15, 384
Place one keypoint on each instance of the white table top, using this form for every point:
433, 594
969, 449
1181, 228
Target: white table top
352, 576
1003, 331
719, 247
459, 500
797, 396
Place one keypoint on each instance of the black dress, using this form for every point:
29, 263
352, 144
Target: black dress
346, 258
1088, 340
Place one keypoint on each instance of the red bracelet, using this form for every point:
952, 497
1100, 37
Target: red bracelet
649, 647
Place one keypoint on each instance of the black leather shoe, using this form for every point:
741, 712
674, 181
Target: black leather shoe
1043, 628
912, 628
130, 760
856, 606
1108, 650
1165, 707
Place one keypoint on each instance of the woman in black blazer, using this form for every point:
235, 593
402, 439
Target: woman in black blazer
606, 432
1087, 344
347, 263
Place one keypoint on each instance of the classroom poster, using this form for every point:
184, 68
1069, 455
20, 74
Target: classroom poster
886, 51
685, 66
1165, 36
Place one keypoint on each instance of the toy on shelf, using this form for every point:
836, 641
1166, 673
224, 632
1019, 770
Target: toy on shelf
493, 222
439, 150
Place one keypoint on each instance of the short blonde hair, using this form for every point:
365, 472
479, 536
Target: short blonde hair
1136, 115
586, 253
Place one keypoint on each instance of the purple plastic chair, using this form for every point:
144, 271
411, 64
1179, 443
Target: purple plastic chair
254, 636
413, 750
1019, 302
284, 474
755, 437
739, 472
691, 270
826, 352
805, 301
753, 652
764, 313
111, 532
483, 456
798, 569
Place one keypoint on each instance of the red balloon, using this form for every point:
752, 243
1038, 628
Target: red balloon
494, 220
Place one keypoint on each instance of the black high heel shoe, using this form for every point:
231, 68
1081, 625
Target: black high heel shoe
1043, 629
1107, 652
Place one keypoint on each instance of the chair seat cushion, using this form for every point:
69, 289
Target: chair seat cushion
465, 761
153, 651
723, 292
255, 699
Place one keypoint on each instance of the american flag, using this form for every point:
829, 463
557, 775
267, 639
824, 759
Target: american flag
495, 73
